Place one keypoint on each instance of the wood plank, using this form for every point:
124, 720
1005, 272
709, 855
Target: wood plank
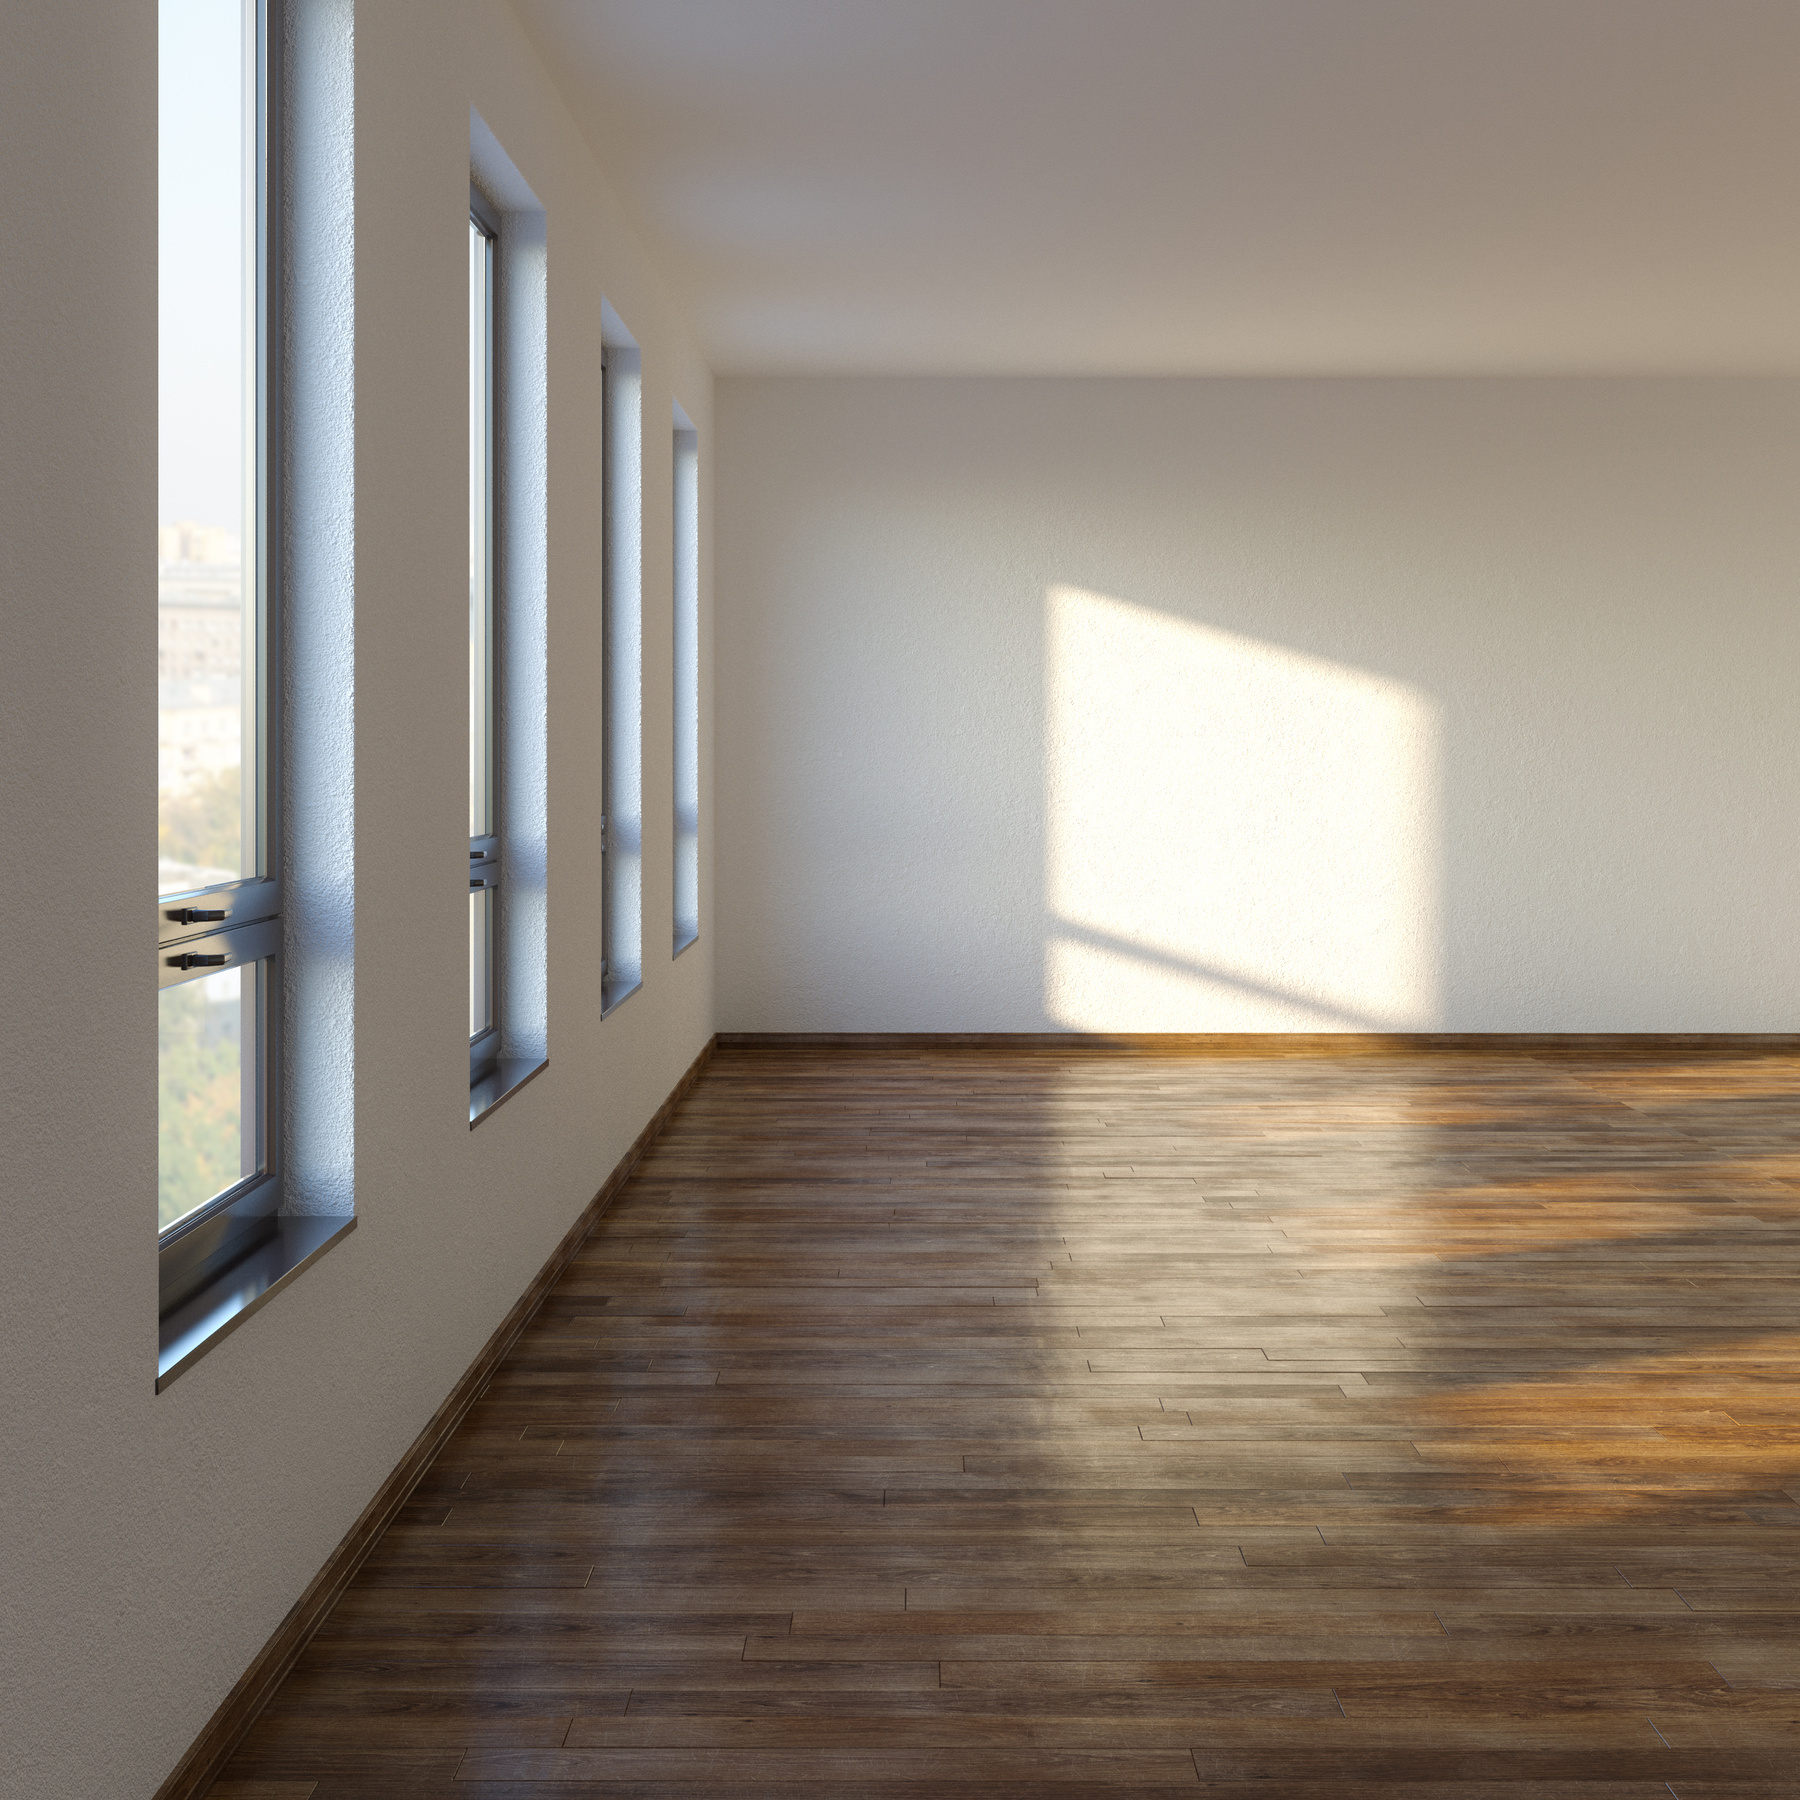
983, 1419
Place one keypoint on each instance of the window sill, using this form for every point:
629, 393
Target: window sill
611, 997
191, 1329
500, 1083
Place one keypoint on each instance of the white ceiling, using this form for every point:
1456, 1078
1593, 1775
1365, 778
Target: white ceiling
1206, 186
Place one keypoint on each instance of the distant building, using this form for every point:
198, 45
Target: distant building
199, 654
186, 542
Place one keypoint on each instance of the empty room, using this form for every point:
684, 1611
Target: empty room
1120, 677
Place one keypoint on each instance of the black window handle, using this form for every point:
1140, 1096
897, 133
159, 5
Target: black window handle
192, 915
187, 960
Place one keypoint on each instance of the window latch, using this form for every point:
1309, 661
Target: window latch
187, 960
194, 915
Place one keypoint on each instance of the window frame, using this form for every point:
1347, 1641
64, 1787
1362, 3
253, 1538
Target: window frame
514, 861
222, 1262
621, 665
238, 923
685, 610
486, 848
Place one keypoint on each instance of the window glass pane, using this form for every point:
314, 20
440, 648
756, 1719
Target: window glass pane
206, 415
622, 653
480, 492
481, 970
203, 1145
687, 686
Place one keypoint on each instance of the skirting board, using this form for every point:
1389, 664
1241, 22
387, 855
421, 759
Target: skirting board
1273, 1043
238, 1712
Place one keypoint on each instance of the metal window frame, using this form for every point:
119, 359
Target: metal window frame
238, 924
196, 1249
685, 669
621, 810
485, 859
609, 477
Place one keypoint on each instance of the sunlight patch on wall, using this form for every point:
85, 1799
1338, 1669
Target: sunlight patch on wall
1241, 837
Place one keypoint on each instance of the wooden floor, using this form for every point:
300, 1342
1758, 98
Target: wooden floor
1005, 1424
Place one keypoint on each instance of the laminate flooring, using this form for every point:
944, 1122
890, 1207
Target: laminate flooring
992, 1423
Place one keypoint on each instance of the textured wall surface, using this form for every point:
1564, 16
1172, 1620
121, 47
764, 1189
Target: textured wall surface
1258, 705
153, 1542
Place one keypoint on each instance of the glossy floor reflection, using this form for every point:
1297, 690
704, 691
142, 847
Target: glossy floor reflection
980, 1423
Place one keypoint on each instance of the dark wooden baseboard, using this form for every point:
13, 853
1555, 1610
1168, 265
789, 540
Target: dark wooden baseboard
1274, 1043
238, 1712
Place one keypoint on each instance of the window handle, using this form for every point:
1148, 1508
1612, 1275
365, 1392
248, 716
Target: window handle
192, 915
187, 960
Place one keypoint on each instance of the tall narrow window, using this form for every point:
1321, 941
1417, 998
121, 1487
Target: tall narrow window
508, 610
484, 839
687, 682
218, 888
622, 787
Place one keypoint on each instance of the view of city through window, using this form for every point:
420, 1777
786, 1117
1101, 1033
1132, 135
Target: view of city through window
206, 416
200, 766
200, 689
200, 1041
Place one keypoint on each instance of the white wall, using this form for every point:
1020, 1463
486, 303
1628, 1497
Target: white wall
1258, 705
153, 1542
